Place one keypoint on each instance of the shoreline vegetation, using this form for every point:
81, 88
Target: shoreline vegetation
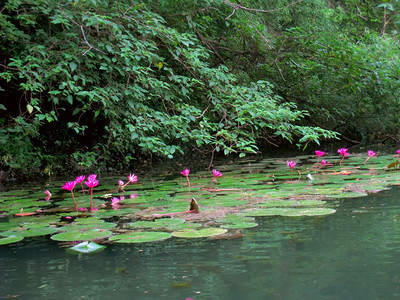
103, 86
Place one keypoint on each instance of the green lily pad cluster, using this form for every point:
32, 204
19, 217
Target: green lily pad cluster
157, 208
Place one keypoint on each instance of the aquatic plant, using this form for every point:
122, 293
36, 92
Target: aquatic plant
120, 185
91, 183
319, 155
343, 152
291, 164
69, 186
186, 174
162, 205
48, 194
132, 178
370, 154
216, 174
80, 180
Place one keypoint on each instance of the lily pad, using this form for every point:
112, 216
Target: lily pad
290, 212
239, 225
215, 202
11, 239
140, 237
285, 203
86, 235
201, 233
38, 231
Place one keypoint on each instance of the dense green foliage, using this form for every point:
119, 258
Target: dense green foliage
100, 83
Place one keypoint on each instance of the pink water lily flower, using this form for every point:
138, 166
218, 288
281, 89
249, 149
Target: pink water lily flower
69, 186
343, 152
398, 154
319, 154
80, 180
370, 154
214, 179
186, 174
216, 173
132, 178
114, 200
47, 192
291, 164
91, 182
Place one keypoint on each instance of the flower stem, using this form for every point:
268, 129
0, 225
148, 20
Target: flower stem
188, 181
73, 199
91, 198
209, 186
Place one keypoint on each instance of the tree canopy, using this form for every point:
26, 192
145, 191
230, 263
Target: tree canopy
102, 83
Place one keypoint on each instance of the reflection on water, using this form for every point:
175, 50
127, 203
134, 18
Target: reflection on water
353, 254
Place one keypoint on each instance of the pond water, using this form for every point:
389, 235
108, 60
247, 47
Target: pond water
352, 254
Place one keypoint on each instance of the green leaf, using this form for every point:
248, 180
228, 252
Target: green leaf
73, 66
201, 233
140, 237
10, 239
29, 108
70, 99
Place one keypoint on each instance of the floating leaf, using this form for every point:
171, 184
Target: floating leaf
11, 239
140, 237
290, 212
31, 231
201, 233
216, 202
91, 234
285, 203
239, 225
234, 218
